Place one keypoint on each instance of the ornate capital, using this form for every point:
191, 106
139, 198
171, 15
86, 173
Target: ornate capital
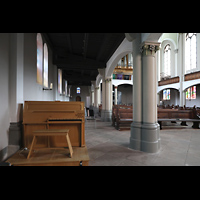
108, 80
149, 48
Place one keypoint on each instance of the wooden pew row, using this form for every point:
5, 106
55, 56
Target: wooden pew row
119, 108
122, 117
176, 115
124, 120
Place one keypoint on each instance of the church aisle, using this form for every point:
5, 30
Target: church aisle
180, 146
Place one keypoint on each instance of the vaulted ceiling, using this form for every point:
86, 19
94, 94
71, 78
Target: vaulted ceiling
80, 55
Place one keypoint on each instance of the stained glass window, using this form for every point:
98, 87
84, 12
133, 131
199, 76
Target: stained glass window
166, 94
78, 90
45, 76
60, 81
191, 93
39, 58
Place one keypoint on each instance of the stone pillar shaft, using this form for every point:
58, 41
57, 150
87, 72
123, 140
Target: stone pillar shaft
145, 129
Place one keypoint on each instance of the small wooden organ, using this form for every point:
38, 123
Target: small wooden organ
39, 115
48, 119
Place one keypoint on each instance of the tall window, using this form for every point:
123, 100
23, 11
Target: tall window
166, 94
191, 93
39, 58
167, 60
191, 51
45, 75
78, 90
60, 81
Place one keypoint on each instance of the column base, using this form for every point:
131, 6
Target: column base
145, 137
96, 110
106, 115
135, 139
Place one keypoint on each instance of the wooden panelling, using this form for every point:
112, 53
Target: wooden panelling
169, 81
192, 76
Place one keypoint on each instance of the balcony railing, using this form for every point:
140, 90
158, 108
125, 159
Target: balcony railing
169, 81
192, 76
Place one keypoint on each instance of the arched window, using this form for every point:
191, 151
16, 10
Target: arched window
45, 75
78, 90
167, 60
190, 51
39, 58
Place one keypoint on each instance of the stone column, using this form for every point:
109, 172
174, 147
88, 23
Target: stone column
106, 111
96, 100
150, 138
182, 68
92, 95
108, 94
135, 138
145, 129
102, 73
98, 95
116, 95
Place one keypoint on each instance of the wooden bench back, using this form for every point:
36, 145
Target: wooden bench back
175, 114
120, 108
126, 115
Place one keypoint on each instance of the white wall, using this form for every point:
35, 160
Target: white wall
32, 90
127, 94
4, 89
18, 78
84, 93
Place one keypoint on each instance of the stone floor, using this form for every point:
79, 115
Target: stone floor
180, 146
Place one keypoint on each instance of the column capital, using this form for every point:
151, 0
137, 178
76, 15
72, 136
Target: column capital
149, 48
108, 79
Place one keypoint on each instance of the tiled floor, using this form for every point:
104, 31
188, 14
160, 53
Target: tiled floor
180, 146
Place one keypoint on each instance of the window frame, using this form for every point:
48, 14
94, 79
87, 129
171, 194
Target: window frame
167, 55
39, 57
45, 71
188, 41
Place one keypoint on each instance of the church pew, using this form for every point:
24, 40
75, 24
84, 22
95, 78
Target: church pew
177, 115
124, 119
119, 108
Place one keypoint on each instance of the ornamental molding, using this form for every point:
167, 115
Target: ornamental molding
149, 48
